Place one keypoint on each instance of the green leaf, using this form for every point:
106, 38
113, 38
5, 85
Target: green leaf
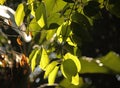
54, 6
75, 59
55, 19
92, 8
69, 71
52, 75
30, 1
68, 68
65, 83
19, 14
75, 79
42, 37
34, 27
112, 61
69, 1
50, 68
113, 7
70, 42
32, 54
50, 35
40, 14
44, 59
81, 20
34, 59
88, 65
80, 33
2, 1
63, 31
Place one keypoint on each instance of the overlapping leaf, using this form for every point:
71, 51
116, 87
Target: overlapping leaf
35, 58
70, 68
50, 67
40, 15
52, 75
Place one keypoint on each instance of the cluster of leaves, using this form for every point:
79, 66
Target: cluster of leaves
59, 29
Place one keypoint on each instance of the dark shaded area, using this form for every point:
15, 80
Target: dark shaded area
106, 36
98, 80
13, 77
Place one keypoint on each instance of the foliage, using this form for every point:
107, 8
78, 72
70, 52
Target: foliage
61, 32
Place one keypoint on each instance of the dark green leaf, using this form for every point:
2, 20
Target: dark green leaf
91, 9
81, 20
80, 32
69, 68
69, 1
114, 7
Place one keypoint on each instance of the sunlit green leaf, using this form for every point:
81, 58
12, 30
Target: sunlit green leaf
50, 68
19, 15
88, 65
34, 59
63, 31
52, 75
30, 1
44, 59
112, 61
75, 59
34, 27
40, 14
50, 35
65, 83
54, 6
70, 42
75, 79
42, 36
32, 9
32, 54
55, 19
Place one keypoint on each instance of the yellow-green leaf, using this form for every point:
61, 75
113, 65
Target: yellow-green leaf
19, 14
49, 68
32, 54
75, 79
75, 59
41, 21
52, 75
70, 42
30, 1
33, 61
63, 31
2, 1
44, 59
